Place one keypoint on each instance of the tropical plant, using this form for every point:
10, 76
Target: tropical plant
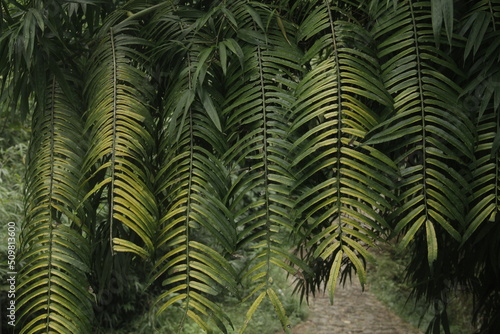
13, 145
193, 147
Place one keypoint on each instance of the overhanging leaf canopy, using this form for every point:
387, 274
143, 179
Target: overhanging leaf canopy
181, 137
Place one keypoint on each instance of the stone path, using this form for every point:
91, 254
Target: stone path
354, 311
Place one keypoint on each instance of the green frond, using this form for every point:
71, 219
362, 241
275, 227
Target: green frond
119, 124
256, 109
192, 184
343, 186
52, 293
485, 194
201, 147
481, 29
434, 136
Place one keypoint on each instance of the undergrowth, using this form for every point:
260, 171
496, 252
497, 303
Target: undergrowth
264, 320
386, 278
13, 146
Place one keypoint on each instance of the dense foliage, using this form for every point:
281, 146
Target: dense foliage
190, 147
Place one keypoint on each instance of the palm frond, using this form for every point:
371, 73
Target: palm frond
214, 143
482, 99
119, 123
53, 295
434, 136
343, 185
192, 183
485, 192
256, 111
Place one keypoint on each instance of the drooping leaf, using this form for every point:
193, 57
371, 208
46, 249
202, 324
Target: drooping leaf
434, 139
340, 181
52, 291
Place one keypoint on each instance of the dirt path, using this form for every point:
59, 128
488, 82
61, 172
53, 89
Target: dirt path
354, 311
